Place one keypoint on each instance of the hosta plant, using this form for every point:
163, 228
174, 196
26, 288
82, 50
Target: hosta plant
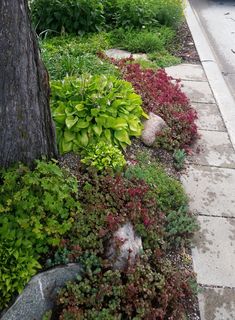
103, 156
95, 108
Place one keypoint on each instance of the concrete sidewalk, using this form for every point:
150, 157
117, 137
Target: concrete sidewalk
210, 184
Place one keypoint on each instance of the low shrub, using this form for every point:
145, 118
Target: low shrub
142, 40
169, 192
92, 109
103, 156
163, 59
37, 207
67, 16
143, 13
163, 97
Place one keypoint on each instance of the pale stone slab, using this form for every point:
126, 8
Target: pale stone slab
117, 53
187, 72
217, 303
214, 148
214, 251
211, 190
209, 117
198, 91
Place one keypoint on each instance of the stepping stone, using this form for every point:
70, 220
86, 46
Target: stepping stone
198, 91
214, 251
122, 54
117, 53
187, 72
217, 303
211, 190
209, 117
214, 149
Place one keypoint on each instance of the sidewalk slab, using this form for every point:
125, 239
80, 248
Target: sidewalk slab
214, 148
217, 303
214, 251
198, 91
187, 72
211, 190
209, 117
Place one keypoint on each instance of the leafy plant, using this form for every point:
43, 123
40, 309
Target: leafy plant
70, 16
36, 208
163, 59
179, 158
103, 156
164, 98
92, 109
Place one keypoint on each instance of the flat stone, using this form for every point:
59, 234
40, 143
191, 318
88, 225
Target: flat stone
40, 294
209, 117
214, 148
217, 303
187, 72
198, 91
117, 53
211, 190
214, 251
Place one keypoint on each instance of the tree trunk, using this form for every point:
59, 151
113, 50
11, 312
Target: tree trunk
26, 128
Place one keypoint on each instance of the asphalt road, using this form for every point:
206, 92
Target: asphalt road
218, 20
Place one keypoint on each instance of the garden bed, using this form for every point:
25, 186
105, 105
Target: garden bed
108, 177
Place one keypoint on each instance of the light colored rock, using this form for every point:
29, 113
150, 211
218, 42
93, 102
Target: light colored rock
40, 293
214, 252
152, 127
117, 54
124, 247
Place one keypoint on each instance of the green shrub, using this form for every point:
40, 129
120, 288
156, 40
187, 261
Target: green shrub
139, 13
69, 16
36, 208
168, 191
142, 40
103, 156
95, 108
18, 262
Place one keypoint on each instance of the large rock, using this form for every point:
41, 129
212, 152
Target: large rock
124, 247
152, 127
40, 294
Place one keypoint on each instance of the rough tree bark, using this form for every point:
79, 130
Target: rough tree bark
26, 128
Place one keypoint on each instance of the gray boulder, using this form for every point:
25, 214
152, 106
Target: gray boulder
40, 294
124, 247
152, 127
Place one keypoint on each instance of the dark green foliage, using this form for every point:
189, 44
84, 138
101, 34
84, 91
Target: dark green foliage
92, 109
36, 208
144, 40
179, 158
67, 16
169, 192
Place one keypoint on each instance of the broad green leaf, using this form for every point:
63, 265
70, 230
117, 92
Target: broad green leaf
71, 121
69, 136
122, 136
97, 129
